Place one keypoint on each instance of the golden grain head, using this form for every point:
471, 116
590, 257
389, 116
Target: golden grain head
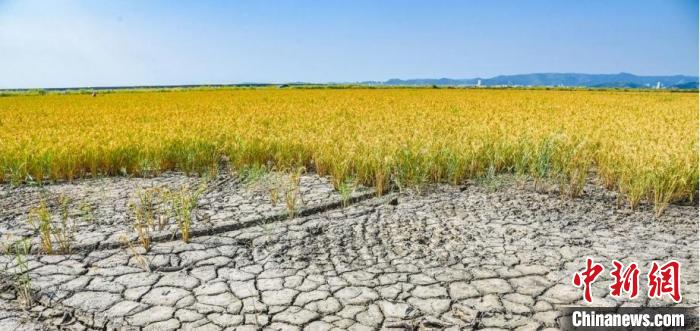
643, 144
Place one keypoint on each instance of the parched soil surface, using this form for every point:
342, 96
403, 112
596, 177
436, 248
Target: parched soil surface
101, 211
476, 256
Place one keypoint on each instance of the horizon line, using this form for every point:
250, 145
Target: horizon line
367, 82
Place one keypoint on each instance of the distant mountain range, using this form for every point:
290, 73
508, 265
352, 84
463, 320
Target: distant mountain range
621, 80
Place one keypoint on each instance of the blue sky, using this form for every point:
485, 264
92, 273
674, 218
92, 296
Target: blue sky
100, 43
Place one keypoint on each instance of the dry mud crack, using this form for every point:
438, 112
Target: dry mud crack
448, 257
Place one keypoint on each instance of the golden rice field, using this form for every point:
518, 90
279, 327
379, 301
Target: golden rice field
642, 144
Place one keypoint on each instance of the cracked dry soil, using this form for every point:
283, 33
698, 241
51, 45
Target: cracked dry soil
445, 258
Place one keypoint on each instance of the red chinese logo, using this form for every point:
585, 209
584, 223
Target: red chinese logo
665, 280
587, 277
662, 279
626, 279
